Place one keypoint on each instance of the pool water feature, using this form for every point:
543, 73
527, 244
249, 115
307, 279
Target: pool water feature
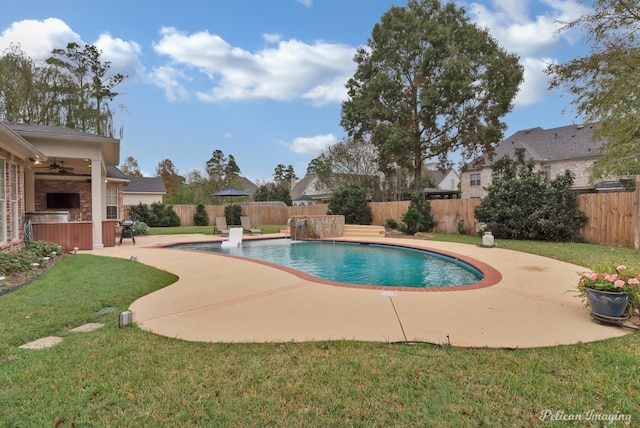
355, 263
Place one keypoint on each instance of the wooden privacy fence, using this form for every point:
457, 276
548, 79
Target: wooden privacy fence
447, 212
613, 217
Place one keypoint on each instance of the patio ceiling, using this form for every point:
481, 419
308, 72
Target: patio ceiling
62, 166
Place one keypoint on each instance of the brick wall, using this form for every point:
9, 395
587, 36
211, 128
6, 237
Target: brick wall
65, 186
15, 238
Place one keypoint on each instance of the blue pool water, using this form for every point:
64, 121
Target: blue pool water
354, 263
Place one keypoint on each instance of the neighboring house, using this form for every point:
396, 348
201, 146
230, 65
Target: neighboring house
248, 186
58, 178
446, 183
443, 180
143, 190
553, 150
309, 191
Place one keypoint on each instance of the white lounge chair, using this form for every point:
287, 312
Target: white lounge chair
235, 238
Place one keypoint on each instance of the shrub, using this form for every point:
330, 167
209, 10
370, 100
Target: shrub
391, 223
350, 200
201, 218
272, 192
411, 221
22, 259
9, 262
43, 248
140, 212
418, 217
140, 228
160, 215
462, 229
232, 214
165, 216
524, 204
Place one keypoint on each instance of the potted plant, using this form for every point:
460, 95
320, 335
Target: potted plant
611, 292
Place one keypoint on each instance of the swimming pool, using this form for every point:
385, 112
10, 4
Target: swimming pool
354, 263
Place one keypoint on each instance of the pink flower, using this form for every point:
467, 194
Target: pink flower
610, 277
621, 267
619, 283
633, 281
594, 276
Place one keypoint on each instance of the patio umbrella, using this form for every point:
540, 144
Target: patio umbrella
231, 192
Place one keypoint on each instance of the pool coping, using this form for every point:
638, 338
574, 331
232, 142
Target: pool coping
490, 275
232, 300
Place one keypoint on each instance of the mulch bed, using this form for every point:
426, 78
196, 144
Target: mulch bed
17, 280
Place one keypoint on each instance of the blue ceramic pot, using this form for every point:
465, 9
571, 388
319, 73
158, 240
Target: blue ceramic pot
607, 303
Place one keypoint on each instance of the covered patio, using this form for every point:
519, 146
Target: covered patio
72, 187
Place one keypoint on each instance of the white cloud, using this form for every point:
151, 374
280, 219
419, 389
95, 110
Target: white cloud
290, 70
535, 83
272, 38
169, 79
534, 38
312, 145
124, 56
38, 38
306, 3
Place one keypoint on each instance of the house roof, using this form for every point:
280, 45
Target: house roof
145, 185
33, 129
18, 144
115, 173
37, 134
248, 186
300, 187
565, 142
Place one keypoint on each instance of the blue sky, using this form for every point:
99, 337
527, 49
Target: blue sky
263, 80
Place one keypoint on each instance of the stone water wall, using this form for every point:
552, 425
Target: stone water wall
316, 226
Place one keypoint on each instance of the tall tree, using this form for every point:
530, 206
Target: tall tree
223, 171
431, 83
216, 165
284, 174
316, 165
29, 91
88, 87
290, 174
130, 167
278, 173
350, 160
172, 180
231, 169
605, 82
70, 89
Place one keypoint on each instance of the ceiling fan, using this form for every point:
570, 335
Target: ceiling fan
59, 168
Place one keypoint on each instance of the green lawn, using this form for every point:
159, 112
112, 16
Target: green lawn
206, 230
126, 377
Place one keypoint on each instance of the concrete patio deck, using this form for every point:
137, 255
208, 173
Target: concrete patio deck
223, 299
